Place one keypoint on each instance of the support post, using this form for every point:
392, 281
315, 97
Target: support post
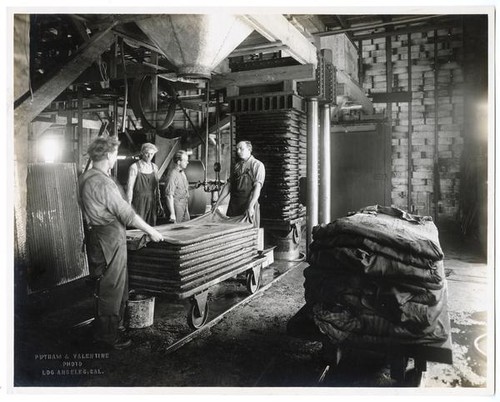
80, 150
436, 176
325, 165
410, 130
312, 166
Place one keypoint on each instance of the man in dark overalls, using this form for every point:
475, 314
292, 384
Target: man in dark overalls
244, 185
143, 191
107, 214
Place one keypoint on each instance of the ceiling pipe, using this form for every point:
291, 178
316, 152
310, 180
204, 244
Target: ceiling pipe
207, 133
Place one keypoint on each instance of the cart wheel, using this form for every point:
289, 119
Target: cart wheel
252, 284
413, 378
195, 320
398, 366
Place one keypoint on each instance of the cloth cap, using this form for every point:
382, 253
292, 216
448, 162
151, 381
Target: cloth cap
148, 147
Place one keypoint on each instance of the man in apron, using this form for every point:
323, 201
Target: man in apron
244, 185
106, 215
177, 189
143, 191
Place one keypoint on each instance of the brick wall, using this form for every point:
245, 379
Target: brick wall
436, 58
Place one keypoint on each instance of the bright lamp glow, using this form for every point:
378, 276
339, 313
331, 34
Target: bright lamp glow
50, 148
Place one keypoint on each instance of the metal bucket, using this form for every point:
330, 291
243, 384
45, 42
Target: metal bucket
287, 243
140, 310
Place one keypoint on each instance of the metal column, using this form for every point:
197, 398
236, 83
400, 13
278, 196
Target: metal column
312, 166
325, 165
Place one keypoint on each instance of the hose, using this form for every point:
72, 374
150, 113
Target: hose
125, 101
302, 257
476, 345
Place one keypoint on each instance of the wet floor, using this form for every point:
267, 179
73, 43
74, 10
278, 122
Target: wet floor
470, 298
170, 321
171, 316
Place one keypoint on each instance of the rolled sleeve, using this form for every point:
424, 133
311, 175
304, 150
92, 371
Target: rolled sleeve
259, 173
171, 185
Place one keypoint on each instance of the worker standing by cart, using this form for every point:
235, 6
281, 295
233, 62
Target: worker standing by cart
143, 191
106, 215
244, 185
177, 188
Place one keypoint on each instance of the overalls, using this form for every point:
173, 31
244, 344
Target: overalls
241, 190
107, 255
145, 197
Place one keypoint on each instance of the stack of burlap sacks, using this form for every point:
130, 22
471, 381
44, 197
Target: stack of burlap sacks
377, 277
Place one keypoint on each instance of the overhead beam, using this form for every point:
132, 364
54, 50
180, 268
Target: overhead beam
258, 48
402, 31
377, 25
84, 110
305, 72
307, 23
33, 106
275, 27
393, 97
343, 22
345, 25
63, 120
135, 41
354, 91
111, 19
79, 28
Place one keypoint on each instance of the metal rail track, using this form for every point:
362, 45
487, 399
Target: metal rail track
193, 335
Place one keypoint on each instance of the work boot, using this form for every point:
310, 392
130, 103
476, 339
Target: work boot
122, 343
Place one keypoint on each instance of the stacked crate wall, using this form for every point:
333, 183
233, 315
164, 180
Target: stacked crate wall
434, 57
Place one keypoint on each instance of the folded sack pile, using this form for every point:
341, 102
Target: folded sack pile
377, 276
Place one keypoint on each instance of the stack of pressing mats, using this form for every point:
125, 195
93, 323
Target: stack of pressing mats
194, 253
279, 141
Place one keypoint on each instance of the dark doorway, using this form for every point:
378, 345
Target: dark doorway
361, 167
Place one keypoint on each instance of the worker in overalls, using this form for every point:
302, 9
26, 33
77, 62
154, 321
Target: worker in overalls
177, 188
106, 214
143, 185
244, 185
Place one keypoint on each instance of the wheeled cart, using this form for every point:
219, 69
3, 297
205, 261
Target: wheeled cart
250, 273
398, 354
193, 257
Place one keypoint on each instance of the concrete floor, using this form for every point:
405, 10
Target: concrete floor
470, 303
250, 347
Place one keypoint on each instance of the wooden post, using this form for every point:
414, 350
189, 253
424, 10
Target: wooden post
410, 128
79, 131
436, 133
69, 133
